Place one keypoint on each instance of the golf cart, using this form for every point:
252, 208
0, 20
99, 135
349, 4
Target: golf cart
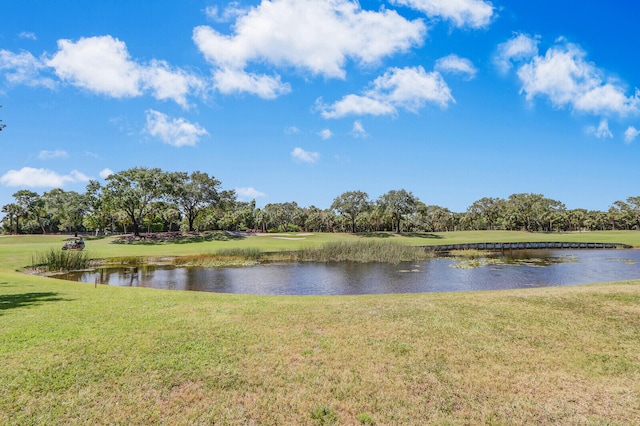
73, 243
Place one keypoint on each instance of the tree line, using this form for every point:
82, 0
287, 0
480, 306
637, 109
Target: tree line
152, 200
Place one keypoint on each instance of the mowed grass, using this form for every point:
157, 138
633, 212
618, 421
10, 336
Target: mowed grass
74, 353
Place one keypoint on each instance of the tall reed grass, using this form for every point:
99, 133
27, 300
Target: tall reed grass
224, 257
362, 251
60, 260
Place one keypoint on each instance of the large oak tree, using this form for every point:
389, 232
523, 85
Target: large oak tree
351, 204
397, 204
193, 193
134, 190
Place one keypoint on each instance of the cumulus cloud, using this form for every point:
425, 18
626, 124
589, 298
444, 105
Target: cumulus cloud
167, 83
173, 131
105, 173
463, 13
520, 47
98, 64
602, 131
48, 155
325, 134
40, 178
399, 88
231, 80
454, 64
303, 156
103, 65
249, 193
315, 36
24, 68
631, 134
566, 79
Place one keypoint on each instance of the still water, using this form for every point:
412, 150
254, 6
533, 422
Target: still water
535, 268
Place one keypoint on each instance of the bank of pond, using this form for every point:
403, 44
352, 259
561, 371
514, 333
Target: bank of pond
370, 268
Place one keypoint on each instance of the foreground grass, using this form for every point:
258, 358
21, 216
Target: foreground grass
75, 354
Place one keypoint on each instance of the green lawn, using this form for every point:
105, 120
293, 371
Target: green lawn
72, 353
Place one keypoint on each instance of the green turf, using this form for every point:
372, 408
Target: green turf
73, 353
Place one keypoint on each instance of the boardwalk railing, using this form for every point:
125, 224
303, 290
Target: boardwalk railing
526, 246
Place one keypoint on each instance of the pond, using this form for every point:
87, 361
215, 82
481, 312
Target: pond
523, 269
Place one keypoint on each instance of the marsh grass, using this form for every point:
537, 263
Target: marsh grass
361, 251
222, 257
471, 259
53, 260
339, 251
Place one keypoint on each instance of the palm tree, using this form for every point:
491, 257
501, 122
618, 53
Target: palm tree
13, 211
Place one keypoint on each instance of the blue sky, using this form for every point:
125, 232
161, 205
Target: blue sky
302, 100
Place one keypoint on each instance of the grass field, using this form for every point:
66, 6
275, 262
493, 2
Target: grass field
72, 353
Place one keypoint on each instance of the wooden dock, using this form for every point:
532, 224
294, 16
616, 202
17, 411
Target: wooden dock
527, 246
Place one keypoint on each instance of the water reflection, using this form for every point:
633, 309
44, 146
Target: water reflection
520, 270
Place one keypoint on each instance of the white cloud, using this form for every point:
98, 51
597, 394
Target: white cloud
228, 14
173, 131
230, 80
355, 105
47, 155
405, 88
40, 178
103, 65
105, 173
325, 134
249, 193
317, 36
358, 130
520, 47
564, 77
463, 13
167, 83
454, 64
631, 134
24, 68
303, 156
77, 176
602, 131
98, 64
27, 35
291, 130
